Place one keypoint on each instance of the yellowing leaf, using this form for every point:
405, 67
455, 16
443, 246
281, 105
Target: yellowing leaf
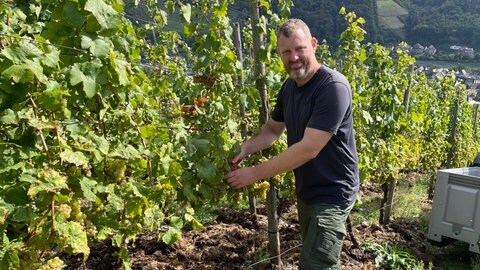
48, 180
197, 225
88, 188
153, 217
186, 12
73, 237
75, 157
121, 69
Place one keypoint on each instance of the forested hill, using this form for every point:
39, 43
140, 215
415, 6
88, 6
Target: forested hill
441, 23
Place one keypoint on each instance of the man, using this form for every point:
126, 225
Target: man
315, 107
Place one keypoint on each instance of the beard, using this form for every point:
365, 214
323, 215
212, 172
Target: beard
298, 73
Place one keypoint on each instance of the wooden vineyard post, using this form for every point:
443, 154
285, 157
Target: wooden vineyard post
259, 74
240, 82
453, 132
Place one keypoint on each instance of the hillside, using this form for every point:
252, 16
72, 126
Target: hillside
441, 23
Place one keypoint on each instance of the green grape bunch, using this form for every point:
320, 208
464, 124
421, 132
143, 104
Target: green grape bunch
115, 170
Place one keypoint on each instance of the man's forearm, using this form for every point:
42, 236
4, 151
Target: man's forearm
292, 158
257, 143
265, 138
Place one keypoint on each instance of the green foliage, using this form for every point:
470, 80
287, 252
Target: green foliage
96, 144
392, 258
390, 140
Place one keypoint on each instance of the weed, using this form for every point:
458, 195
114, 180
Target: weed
392, 258
475, 263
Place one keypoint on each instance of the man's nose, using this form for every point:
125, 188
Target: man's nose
294, 57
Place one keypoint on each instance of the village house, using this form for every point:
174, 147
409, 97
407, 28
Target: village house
463, 51
472, 83
419, 49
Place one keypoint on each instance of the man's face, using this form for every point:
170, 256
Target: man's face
297, 53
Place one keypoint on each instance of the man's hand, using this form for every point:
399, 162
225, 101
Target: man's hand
233, 166
242, 177
238, 157
233, 163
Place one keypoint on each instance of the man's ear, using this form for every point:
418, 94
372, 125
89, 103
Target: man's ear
314, 43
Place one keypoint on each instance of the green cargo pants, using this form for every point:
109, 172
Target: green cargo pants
322, 227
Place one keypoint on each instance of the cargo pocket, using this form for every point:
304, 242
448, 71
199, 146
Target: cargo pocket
328, 244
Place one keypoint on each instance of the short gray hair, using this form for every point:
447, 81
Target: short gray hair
291, 25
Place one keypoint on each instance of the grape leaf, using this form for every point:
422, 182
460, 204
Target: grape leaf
21, 53
74, 157
105, 15
23, 214
48, 180
186, 12
71, 15
8, 117
25, 73
72, 235
88, 187
174, 231
87, 74
52, 58
98, 47
153, 217
206, 169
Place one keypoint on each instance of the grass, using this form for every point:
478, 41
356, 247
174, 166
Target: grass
412, 193
475, 262
390, 22
389, 13
454, 256
391, 257
406, 192
389, 8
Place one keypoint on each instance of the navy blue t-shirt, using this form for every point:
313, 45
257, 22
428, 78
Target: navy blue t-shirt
323, 103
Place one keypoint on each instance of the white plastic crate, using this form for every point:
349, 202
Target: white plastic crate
455, 209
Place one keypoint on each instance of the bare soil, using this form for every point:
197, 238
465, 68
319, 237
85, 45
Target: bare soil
237, 239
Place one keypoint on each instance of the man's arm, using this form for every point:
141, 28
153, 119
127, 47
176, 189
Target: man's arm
268, 134
293, 157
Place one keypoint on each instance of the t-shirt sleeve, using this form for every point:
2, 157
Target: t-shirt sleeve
330, 107
277, 113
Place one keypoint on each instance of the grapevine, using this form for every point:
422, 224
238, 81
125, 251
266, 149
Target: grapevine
107, 132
